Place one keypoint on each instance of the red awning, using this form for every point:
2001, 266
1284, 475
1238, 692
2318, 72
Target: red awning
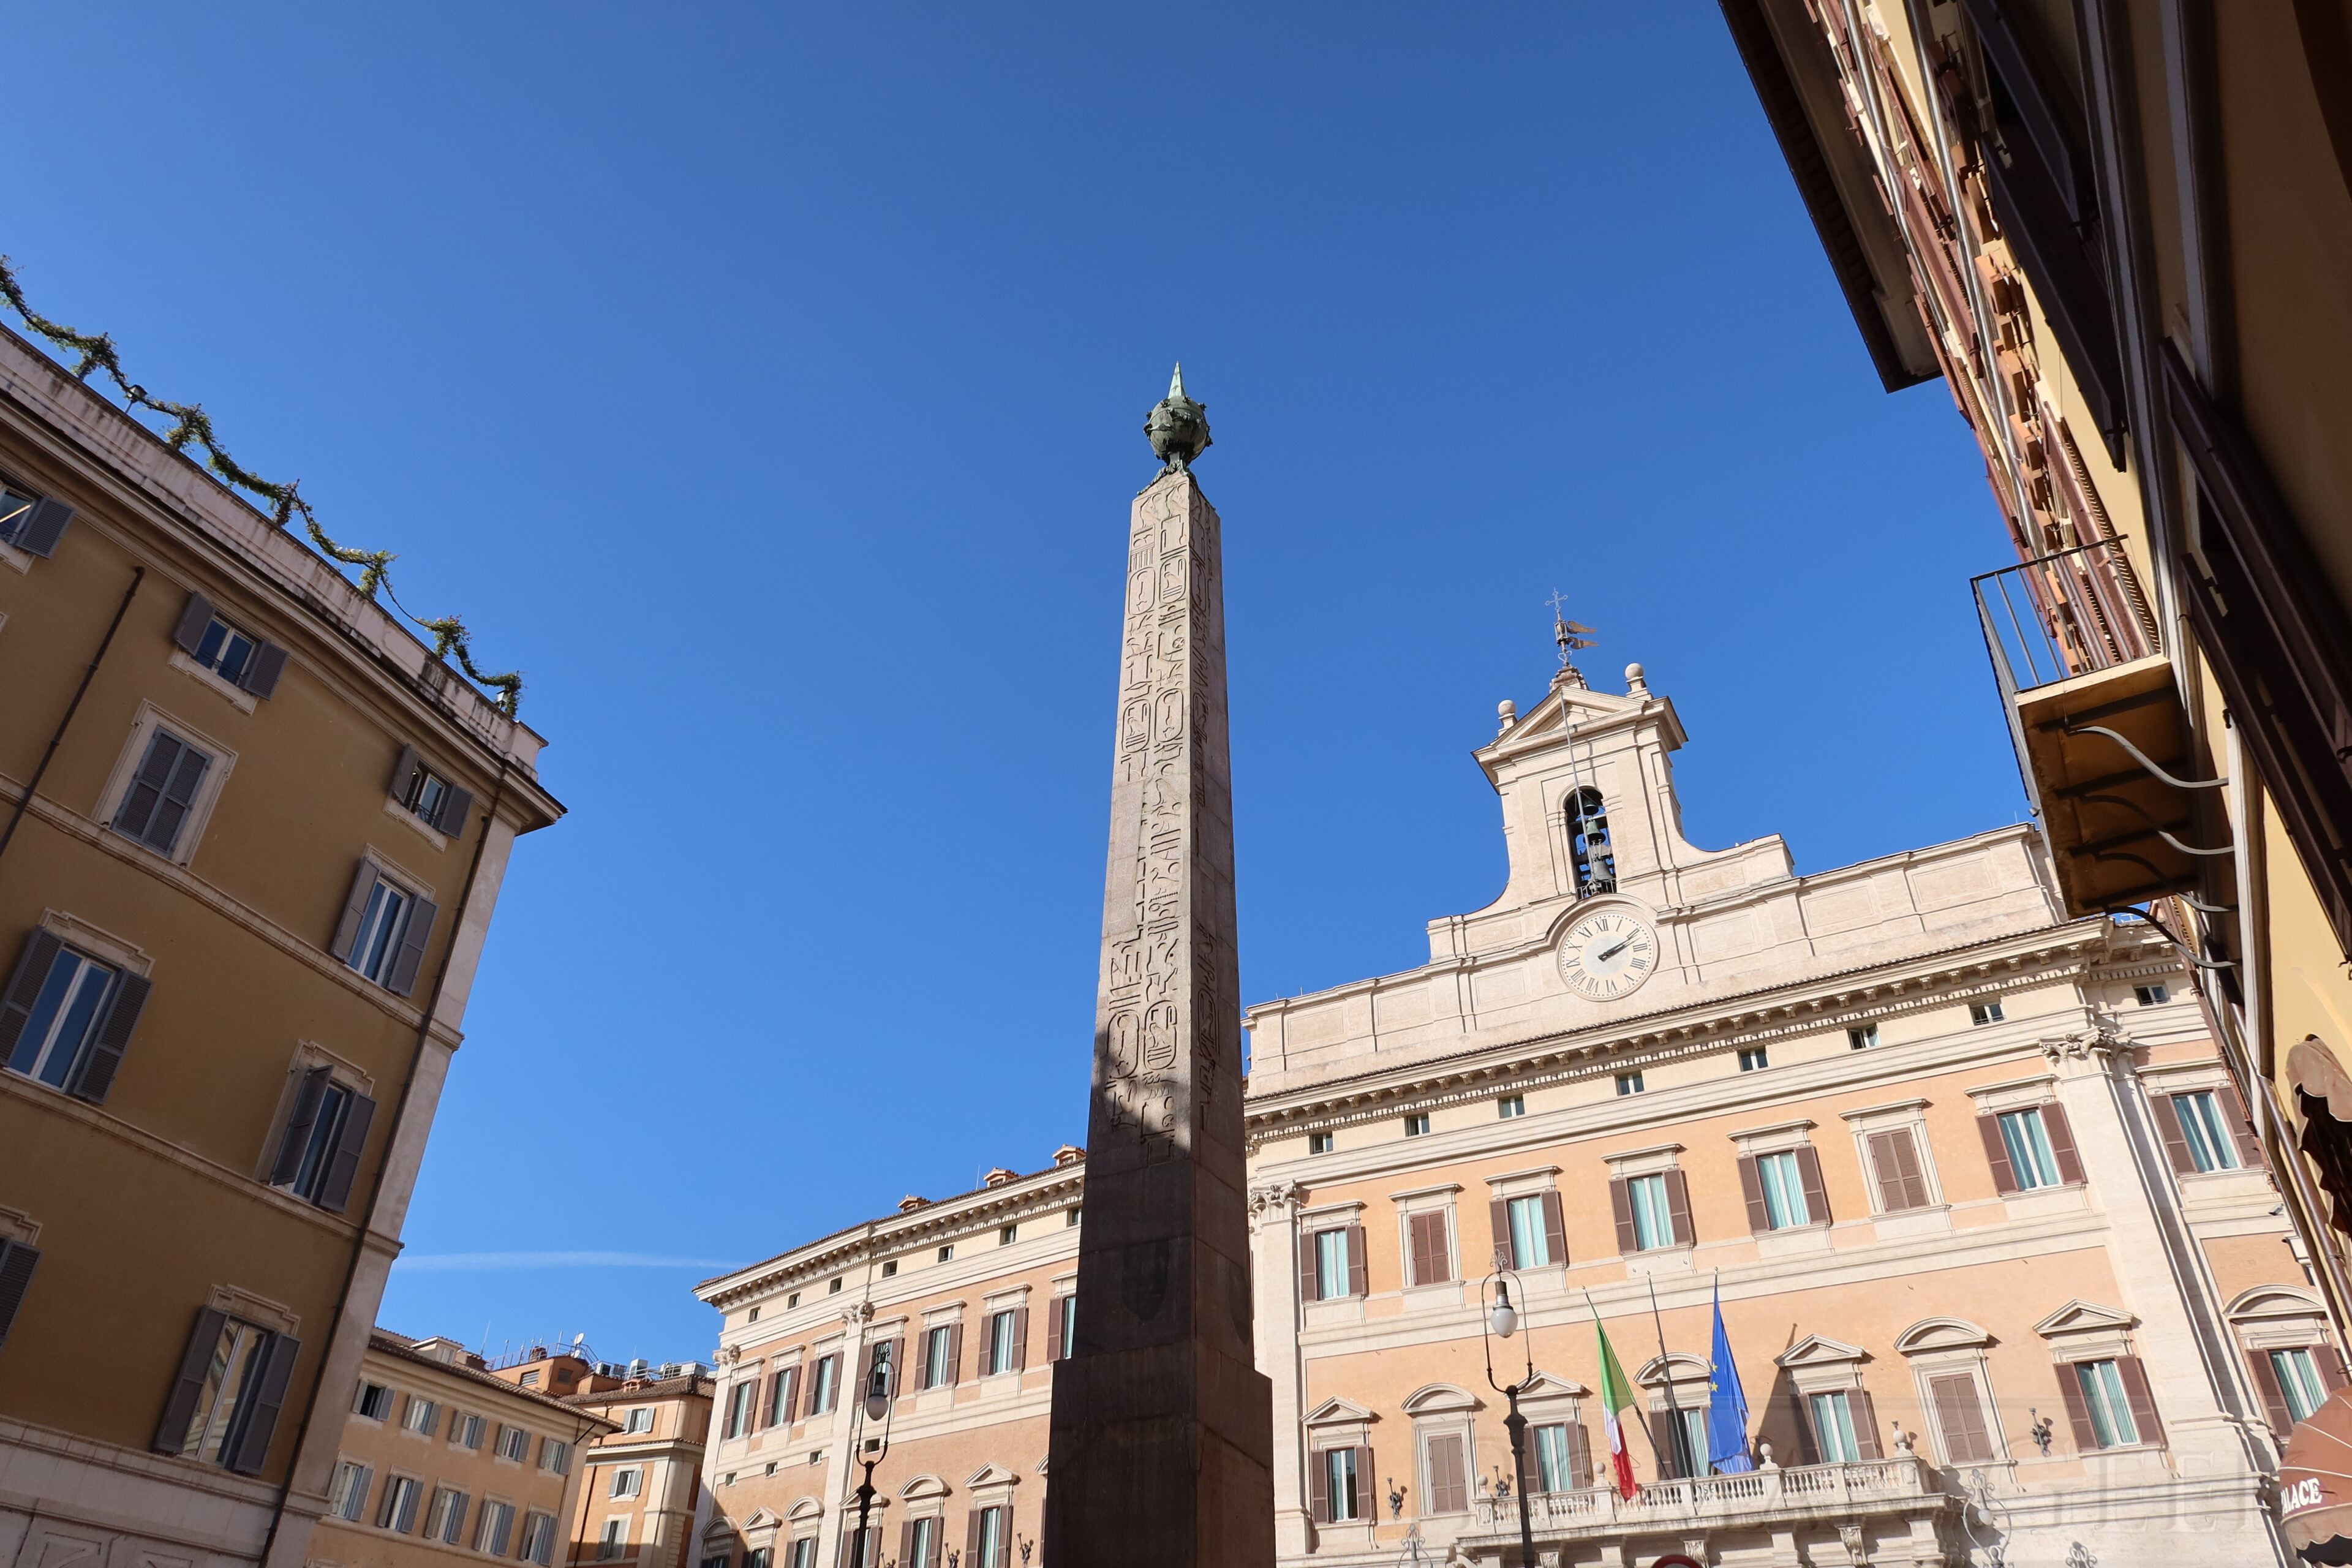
2316, 1483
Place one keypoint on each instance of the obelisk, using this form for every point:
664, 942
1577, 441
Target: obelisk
1163, 1427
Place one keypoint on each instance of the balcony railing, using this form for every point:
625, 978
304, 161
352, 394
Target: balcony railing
2065, 614
1863, 1486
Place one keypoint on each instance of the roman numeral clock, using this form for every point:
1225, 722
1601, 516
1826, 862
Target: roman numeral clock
1608, 954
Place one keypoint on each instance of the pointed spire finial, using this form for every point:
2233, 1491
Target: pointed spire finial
1176, 384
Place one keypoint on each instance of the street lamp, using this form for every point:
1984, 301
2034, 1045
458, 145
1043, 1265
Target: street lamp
876, 1406
1501, 1320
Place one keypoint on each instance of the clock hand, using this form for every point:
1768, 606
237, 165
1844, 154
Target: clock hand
1607, 953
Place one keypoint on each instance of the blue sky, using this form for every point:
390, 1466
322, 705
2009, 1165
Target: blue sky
766, 381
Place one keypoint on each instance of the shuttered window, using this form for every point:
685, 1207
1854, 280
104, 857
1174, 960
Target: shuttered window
514, 1443
1563, 1458
236, 655
31, 522
824, 1385
1003, 1342
429, 794
2026, 1141
163, 791
1959, 1420
1653, 1223
384, 929
399, 1510
2106, 1404
326, 1133
938, 1356
348, 1499
66, 1018
1530, 1237
496, 1529
1445, 1474
1330, 1264
2211, 1147
1784, 1190
445, 1520
539, 1539
1342, 1500
224, 1405
1894, 1161
1433, 1250
2300, 1388
739, 1410
1834, 1428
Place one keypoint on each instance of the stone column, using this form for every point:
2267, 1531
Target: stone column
1162, 1431
1273, 1224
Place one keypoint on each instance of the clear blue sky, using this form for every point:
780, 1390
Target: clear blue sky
766, 382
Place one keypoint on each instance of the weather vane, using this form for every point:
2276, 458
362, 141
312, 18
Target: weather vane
1571, 636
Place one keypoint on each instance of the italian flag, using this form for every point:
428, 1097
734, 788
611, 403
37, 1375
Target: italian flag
1616, 1394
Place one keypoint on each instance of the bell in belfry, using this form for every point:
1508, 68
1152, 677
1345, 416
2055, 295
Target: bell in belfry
1178, 426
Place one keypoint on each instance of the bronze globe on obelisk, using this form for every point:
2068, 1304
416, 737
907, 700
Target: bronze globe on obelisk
1161, 1451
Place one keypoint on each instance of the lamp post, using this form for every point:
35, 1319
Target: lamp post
876, 1406
1501, 1320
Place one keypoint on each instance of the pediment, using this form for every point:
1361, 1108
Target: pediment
2080, 1317
1438, 1399
1942, 1334
993, 1476
1547, 1386
923, 1487
2272, 1301
1332, 1411
1819, 1349
1678, 1367
762, 1519
718, 1530
807, 1507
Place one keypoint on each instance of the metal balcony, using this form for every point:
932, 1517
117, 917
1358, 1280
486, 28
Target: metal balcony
2096, 723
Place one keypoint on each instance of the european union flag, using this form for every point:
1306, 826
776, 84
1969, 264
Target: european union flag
1726, 1404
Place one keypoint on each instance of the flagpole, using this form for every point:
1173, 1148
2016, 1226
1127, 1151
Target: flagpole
1652, 1436
1666, 1371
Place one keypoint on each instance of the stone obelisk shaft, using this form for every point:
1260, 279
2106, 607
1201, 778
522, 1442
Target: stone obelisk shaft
1162, 1442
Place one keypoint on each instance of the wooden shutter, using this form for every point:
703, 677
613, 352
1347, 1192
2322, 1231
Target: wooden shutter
1865, 1424
898, 1389
268, 1398
2266, 1384
788, 1395
1555, 1228
456, 806
1498, 1215
1817, 1195
2078, 1411
1358, 1284
1368, 1497
2242, 1127
288, 1163
1310, 1279
335, 1189
1620, 1207
2062, 1143
1020, 1340
347, 930
955, 1351
94, 1074
262, 670
1959, 1416
906, 1543
1448, 1488
1054, 1310
2166, 1110
1431, 1265
404, 773
142, 802
1318, 1486
188, 1386
1678, 1208
1751, 1187
1894, 1160
972, 1538
414, 933
2331, 1367
31, 972
2142, 1404
1580, 1455
17, 1263
45, 527
2004, 1176
189, 632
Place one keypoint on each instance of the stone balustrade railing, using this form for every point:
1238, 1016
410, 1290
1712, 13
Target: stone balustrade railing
1662, 1504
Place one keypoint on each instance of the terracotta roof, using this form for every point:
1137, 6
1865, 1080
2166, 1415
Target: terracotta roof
656, 1388
403, 1347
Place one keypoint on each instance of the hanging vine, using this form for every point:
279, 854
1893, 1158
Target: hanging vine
190, 423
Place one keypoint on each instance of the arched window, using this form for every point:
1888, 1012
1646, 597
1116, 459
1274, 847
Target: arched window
1587, 844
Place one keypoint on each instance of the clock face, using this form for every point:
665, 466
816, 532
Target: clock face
1608, 954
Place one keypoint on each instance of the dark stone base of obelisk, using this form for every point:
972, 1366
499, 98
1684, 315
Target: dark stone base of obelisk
1161, 1458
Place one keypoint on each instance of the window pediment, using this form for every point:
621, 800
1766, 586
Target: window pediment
1440, 1399
761, 1519
1819, 1349
992, 1476
1678, 1367
923, 1487
2080, 1317
1942, 1334
2271, 1301
807, 1507
1333, 1411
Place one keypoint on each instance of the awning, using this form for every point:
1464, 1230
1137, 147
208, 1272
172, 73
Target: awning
2313, 1069
2316, 1483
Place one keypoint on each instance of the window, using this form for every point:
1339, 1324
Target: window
833, 1286
1318, 1142
1686, 1443
446, 1520
17, 1262
1861, 1037
803, 1553
2299, 1383
318, 1155
224, 1405
429, 794
1431, 1241
1069, 1327
890, 1268
2026, 1141
1629, 1083
2152, 995
753, 1316
1340, 1481
374, 1401
1753, 1059
1530, 1232
1587, 844
496, 1527
1070, 1217
1556, 1468
1002, 1346
640, 1419
1784, 1190
1331, 1270
1444, 1481
466, 1431
1511, 1105
630, 1481
1416, 1124
422, 1415
1959, 1420
947, 1254
739, 1406
2211, 1146
384, 929
792, 1300
1008, 1236
2106, 1403
399, 1511
539, 1539
1984, 1012
66, 1018
938, 1355
161, 792
1834, 1428
922, 1543
348, 1499
723, 1560
514, 1443
221, 649
32, 524
554, 1457
529, 1380
992, 1545
1653, 1223
1894, 1161
824, 1383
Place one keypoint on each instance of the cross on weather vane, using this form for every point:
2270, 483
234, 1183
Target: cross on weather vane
1564, 631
